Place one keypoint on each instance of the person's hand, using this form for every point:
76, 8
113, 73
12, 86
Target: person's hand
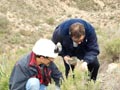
73, 61
58, 84
59, 46
84, 66
66, 58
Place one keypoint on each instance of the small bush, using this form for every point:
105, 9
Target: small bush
15, 39
4, 83
26, 33
112, 49
87, 5
80, 82
50, 21
3, 25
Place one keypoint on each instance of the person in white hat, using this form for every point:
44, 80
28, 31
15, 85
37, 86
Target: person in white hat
35, 70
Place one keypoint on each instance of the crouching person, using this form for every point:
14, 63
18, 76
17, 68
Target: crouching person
35, 70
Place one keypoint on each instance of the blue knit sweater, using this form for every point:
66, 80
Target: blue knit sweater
87, 50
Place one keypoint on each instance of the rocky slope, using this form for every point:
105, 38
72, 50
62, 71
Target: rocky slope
21, 20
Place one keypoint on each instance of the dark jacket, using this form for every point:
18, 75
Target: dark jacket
22, 72
87, 50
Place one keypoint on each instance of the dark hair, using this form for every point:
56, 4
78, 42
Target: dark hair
38, 56
77, 30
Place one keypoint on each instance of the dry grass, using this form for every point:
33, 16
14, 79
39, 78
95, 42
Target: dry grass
26, 21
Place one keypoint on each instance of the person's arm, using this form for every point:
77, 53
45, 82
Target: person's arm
56, 74
18, 78
92, 47
58, 38
67, 47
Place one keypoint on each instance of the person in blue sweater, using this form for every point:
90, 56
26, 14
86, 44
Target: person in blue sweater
78, 39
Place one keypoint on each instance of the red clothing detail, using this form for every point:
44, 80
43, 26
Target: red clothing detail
43, 73
32, 60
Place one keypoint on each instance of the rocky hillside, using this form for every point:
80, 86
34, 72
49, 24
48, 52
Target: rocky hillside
22, 22
41, 16
36, 14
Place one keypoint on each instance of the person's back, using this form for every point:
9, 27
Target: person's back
62, 30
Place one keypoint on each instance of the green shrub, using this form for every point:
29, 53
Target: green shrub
87, 5
80, 82
4, 83
5, 67
50, 21
15, 39
3, 24
112, 49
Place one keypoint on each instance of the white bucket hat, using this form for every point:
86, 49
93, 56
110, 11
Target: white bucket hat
45, 47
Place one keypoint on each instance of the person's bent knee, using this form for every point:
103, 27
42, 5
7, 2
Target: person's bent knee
33, 84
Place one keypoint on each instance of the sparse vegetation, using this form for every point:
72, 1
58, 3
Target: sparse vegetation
87, 5
81, 81
112, 49
50, 21
7, 61
24, 22
3, 25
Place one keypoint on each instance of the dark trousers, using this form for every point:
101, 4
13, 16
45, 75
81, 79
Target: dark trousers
93, 68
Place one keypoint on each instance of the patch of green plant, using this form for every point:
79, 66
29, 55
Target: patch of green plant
7, 61
3, 78
112, 49
26, 33
23, 51
112, 17
3, 25
15, 39
80, 82
4, 83
4, 71
87, 5
50, 21
3, 22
